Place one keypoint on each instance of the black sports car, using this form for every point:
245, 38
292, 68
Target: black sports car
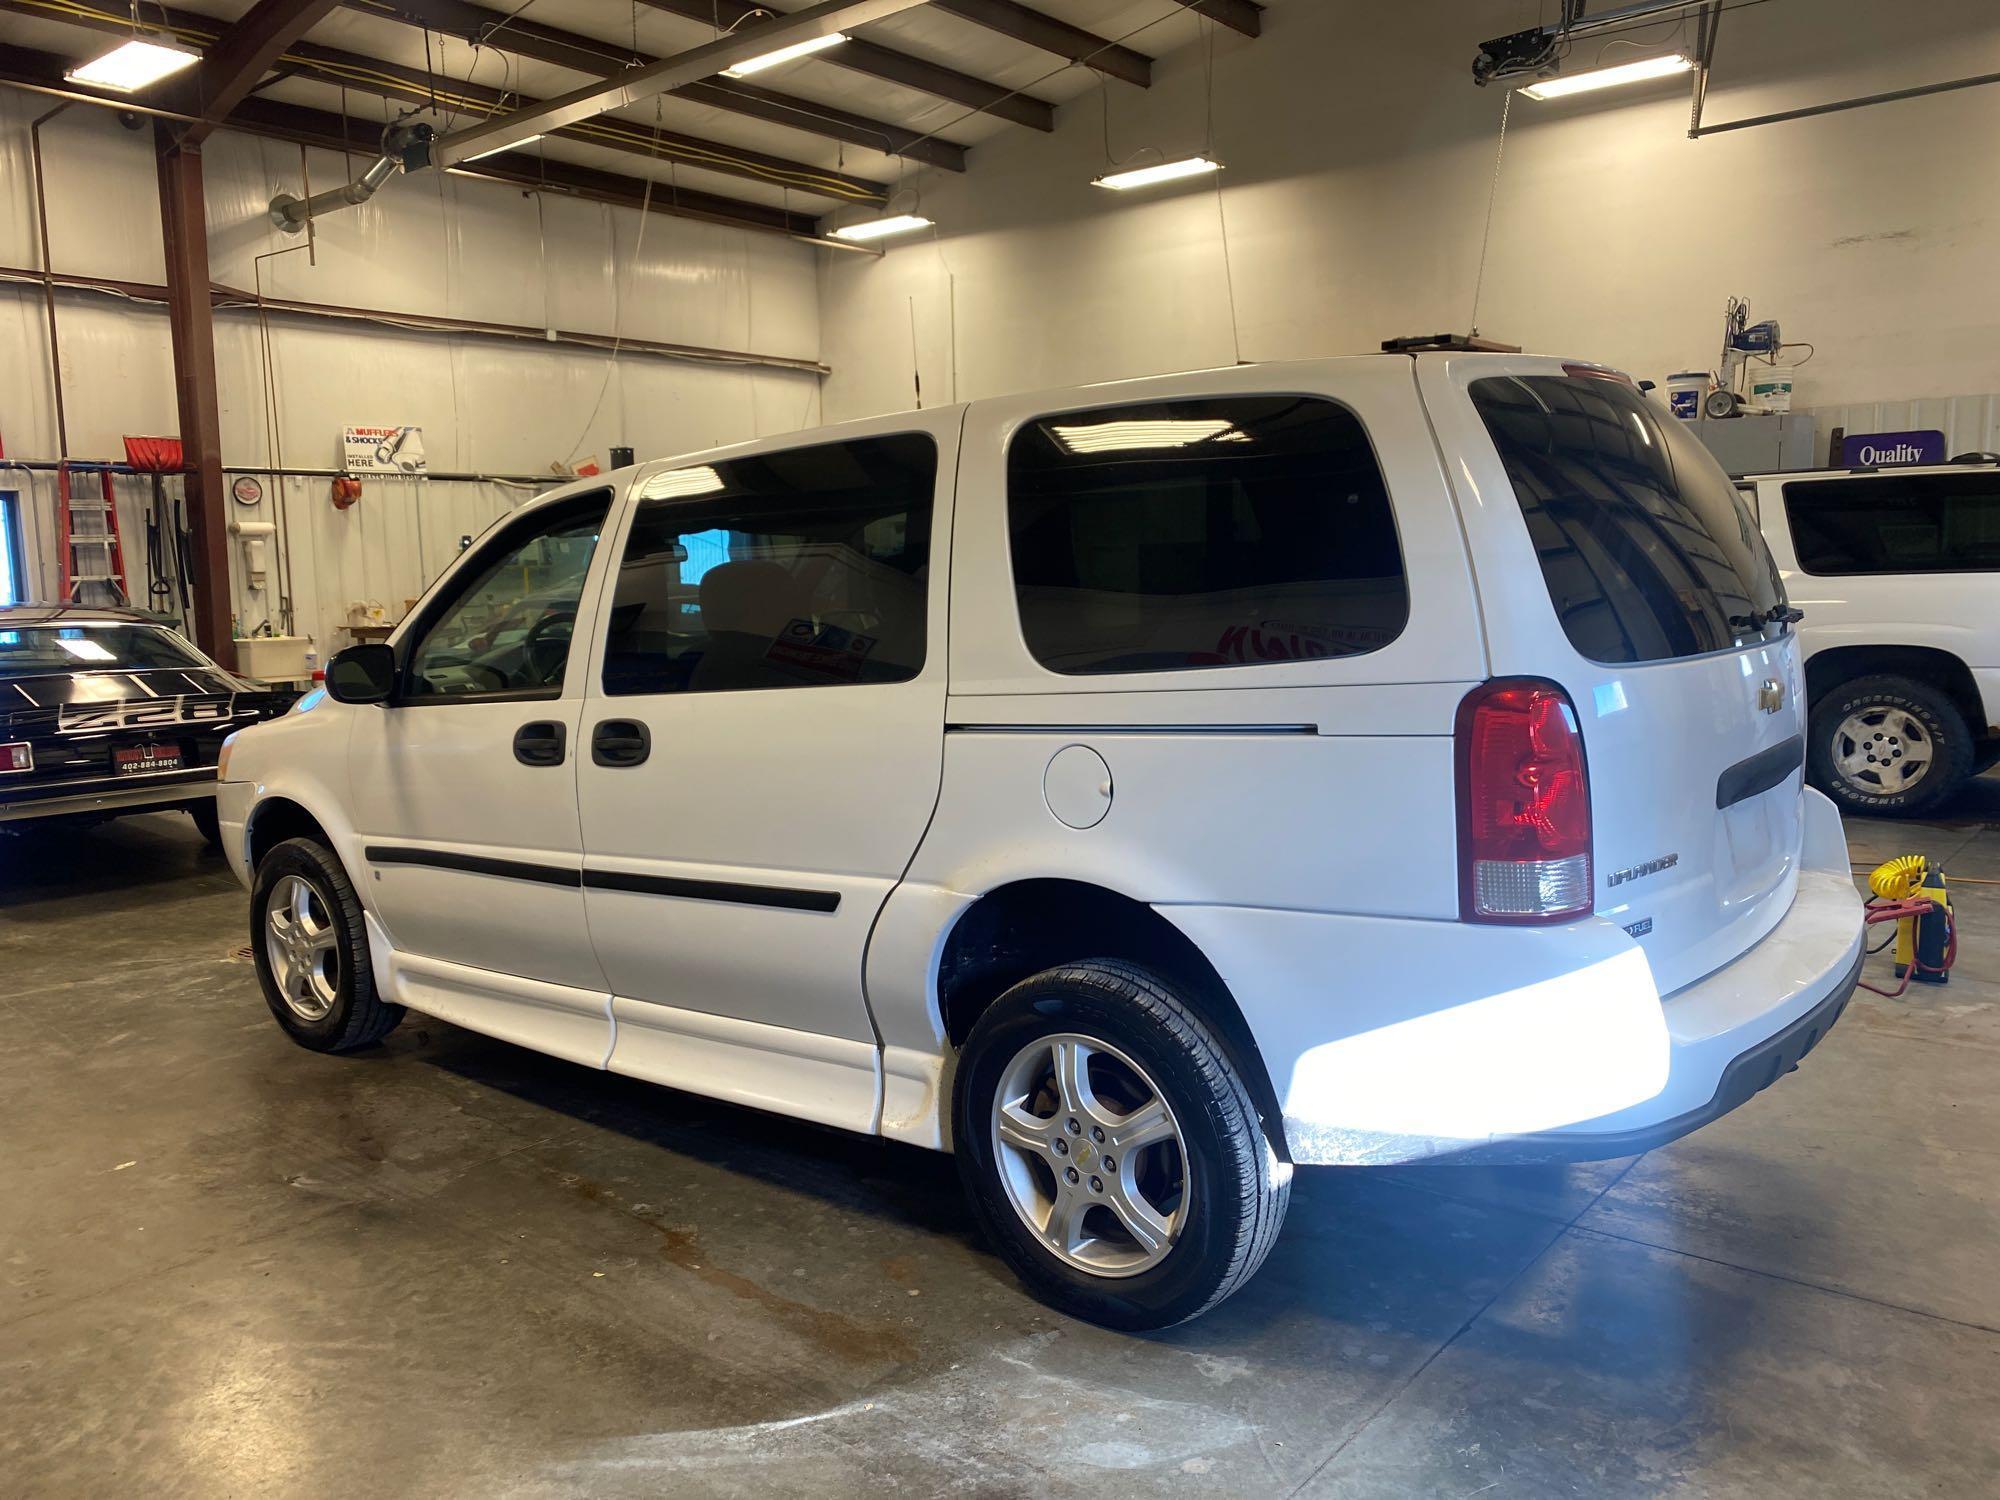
105, 712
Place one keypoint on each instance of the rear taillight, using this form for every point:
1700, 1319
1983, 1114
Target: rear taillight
17, 757
1523, 805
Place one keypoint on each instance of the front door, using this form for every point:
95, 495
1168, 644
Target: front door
762, 744
464, 791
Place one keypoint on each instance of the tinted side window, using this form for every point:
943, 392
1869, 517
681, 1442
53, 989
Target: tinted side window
508, 630
804, 568
1220, 532
1888, 523
1646, 547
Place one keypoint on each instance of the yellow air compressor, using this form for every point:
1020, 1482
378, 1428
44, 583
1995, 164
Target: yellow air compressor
1926, 938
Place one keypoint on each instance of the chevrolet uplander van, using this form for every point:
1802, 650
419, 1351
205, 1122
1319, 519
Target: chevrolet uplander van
1138, 790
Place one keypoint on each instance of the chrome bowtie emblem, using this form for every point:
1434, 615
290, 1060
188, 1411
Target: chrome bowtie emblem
1771, 696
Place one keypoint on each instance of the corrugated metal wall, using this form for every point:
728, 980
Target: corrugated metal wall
1970, 424
432, 244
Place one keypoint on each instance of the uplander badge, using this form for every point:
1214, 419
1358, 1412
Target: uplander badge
1650, 867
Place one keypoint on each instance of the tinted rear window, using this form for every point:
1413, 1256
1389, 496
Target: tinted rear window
1229, 531
36, 649
1888, 523
1646, 547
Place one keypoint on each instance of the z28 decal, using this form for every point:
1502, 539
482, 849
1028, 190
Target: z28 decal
144, 713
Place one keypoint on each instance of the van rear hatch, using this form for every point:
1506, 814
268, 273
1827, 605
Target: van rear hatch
1616, 559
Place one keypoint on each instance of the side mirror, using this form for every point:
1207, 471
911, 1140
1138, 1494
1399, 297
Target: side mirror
361, 674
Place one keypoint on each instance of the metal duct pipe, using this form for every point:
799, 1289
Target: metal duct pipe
290, 213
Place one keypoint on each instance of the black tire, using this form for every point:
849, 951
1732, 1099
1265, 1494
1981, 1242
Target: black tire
1237, 1186
1883, 693
207, 821
357, 1017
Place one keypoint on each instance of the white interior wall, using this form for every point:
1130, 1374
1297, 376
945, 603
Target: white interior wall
1359, 159
435, 245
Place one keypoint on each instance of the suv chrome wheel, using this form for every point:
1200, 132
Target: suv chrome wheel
1882, 749
302, 944
1090, 1155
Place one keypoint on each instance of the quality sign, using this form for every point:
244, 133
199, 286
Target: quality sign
1868, 450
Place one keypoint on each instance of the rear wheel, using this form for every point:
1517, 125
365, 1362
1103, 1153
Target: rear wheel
1111, 1150
1888, 745
311, 949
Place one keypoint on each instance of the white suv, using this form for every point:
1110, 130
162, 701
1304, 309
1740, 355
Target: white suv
1137, 789
1898, 573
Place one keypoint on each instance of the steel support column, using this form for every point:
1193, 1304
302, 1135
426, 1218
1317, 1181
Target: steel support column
184, 229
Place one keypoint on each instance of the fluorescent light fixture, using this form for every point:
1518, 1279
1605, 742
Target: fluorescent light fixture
1609, 78
699, 480
875, 229
132, 65
1166, 171
83, 649
784, 55
1131, 437
526, 140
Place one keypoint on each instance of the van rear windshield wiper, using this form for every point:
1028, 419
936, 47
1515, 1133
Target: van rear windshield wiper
1777, 614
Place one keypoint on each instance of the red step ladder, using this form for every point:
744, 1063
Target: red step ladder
93, 554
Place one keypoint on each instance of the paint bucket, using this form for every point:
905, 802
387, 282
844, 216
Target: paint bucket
1771, 387
1685, 390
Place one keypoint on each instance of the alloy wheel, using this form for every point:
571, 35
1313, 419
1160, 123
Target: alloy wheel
1090, 1155
303, 946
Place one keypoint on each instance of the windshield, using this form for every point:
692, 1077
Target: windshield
36, 650
1644, 543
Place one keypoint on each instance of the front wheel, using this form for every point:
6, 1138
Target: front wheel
1111, 1150
311, 949
1888, 745
207, 821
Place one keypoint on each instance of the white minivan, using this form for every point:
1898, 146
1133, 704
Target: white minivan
1137, 789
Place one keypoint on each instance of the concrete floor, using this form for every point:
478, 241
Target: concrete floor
451, 1267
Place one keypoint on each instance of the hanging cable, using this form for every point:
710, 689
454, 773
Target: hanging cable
1492, 197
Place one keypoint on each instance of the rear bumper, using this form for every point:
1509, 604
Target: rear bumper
106, 797
1389, 1041
1746, 1075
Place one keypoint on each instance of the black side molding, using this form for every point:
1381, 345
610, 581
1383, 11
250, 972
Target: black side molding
472, 864
1760, 772
788, 898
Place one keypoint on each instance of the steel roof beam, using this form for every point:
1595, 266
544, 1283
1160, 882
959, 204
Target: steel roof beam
636, 85
890, 66
42, 72
584, 54
323, 64
246, 52
1237, 15
1046, 34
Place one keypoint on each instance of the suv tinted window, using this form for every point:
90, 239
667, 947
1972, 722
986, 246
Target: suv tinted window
1891, 523
507, 630
1221, 532
1646, 547
804, 568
